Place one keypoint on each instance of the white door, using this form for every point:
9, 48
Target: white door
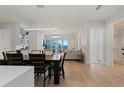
1, 42
96, 45
93, 46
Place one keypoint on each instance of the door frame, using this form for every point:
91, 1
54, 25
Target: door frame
112, 31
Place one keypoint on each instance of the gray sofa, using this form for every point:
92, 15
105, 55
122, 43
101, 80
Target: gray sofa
72, 55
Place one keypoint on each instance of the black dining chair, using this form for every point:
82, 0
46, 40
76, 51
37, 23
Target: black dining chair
40, 67
61, 66
4, 56
62, 60
14, 59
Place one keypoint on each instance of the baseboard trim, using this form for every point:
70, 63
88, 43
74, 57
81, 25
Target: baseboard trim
110, 65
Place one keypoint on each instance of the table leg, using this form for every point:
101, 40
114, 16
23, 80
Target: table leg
56, 72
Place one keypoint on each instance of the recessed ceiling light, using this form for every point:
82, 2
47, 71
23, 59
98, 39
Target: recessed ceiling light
61, 24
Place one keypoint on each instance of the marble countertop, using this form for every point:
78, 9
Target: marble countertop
9, 73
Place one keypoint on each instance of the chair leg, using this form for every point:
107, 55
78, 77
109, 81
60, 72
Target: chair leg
63, 73
37, 74
44, 80
49, 73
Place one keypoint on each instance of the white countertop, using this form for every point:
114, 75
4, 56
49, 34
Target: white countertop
9, 73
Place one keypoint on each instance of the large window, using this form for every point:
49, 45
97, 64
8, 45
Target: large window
47, 44
65, 44
56, 45
60, 45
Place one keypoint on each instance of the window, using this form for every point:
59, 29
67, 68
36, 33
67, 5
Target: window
60, 45
56, 45
48, 44
65, 44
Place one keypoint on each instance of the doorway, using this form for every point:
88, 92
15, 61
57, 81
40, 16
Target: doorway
118, 43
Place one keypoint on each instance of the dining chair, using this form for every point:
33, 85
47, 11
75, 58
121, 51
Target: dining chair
40, 67
2, 62
62, 60
61, 66
12, 51
14, 59
4, 56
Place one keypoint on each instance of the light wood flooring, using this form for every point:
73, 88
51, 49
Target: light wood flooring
84, 75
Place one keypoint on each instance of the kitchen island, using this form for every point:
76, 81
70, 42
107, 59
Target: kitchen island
16, 76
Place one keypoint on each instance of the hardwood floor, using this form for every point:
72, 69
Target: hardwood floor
84, 75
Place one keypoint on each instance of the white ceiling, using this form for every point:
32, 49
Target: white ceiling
51, 16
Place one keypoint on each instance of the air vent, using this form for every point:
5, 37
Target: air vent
40, 6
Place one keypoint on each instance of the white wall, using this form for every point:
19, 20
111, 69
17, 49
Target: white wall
32, 40
40, 37
83, 42
7, 38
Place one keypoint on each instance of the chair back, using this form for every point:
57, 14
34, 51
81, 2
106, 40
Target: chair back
4, 56
14, 58
37, 59
63, 59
